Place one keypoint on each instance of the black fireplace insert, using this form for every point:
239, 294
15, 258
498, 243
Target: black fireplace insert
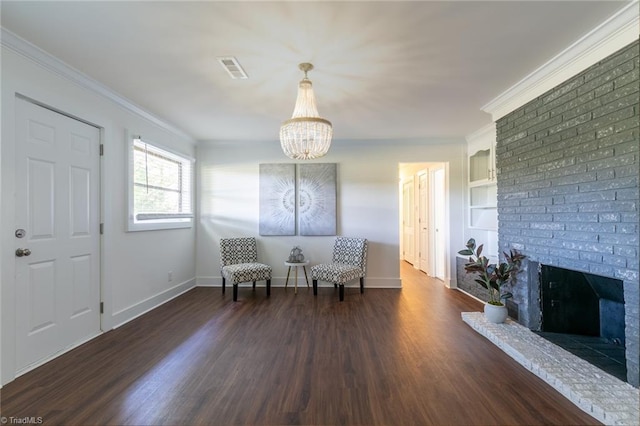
584, 314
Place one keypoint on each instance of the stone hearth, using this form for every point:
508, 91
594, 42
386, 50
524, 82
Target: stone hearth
601, 395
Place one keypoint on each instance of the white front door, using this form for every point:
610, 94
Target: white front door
408, 222
57, 228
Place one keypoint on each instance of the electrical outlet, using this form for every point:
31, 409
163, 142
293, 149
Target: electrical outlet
170, 276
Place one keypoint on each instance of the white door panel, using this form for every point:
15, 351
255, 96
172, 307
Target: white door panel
439, 219
423, 232
81, 273
408, 221
41, 176
80, 180
41, 296
57, 204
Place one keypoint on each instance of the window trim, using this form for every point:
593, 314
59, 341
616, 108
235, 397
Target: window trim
152, 222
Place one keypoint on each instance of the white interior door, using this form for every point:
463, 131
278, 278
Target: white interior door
423, 222
439, 222
408, 226
57, 207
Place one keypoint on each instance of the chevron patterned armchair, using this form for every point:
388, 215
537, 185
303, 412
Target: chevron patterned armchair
349, 263
239, 264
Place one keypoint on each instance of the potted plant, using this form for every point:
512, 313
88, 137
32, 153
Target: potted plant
492, 277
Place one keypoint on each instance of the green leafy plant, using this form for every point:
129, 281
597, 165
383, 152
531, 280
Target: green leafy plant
491, 276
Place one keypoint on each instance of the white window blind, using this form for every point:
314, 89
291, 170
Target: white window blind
161, 186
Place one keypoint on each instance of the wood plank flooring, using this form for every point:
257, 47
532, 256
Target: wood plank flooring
387, 357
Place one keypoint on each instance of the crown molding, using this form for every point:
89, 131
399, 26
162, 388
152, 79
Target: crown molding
483, 138
49, 62
612, 35
486, 131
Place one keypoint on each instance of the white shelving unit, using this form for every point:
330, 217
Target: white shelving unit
482, 195
483, 213
481, 166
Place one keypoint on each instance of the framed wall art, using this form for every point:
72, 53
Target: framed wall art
317, 199
301, 199
277, 199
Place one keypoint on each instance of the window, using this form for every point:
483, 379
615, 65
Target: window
160, 188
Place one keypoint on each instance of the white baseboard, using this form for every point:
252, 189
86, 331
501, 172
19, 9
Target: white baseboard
382, 283
470, 295
280, 282
209, 281
124, 316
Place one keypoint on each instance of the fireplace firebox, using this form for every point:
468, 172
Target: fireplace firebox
584, 313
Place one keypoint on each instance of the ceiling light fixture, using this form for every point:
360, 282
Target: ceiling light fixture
305, 135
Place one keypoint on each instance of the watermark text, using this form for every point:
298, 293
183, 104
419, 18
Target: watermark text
26, 420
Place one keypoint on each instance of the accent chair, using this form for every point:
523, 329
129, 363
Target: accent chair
349, 262
239, 264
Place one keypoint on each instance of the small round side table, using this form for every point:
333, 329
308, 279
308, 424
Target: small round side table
296, 265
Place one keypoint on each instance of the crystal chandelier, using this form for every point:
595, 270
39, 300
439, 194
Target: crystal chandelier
306, 135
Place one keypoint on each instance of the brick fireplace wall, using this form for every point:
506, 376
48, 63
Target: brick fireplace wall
567, 173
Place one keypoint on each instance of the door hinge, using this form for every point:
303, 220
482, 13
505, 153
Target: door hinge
101, 149
101, 228
102, 307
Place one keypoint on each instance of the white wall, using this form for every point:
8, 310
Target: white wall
368, 202
134, 265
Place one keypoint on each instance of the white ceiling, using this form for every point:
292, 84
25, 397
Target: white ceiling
383, 70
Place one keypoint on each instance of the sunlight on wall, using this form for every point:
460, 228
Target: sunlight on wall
226, 210
219, 191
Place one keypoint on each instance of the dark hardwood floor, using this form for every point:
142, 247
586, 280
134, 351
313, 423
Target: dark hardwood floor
387, 357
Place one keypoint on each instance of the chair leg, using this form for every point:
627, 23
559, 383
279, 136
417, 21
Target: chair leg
315, 287
341, 292
335, 285
361, 285
254, 286
235, 292
223, 285
268, 288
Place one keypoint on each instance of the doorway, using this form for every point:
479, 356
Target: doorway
408, 220
424, 227
438, 213
57, 233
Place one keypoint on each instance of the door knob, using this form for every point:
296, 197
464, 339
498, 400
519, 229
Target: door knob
23, 252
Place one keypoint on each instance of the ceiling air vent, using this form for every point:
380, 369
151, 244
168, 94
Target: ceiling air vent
233, 67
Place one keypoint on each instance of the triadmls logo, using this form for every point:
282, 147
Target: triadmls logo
27, 420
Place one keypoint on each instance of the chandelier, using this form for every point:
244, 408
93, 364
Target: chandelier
305, 135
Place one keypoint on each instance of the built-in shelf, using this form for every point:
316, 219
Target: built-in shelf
483, 195
482, 190
483, 218
480, 166
482, 206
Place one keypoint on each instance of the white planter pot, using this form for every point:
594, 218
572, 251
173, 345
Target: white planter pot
495, 314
